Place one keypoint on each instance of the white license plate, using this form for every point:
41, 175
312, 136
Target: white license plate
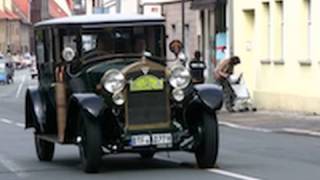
162, 139
154, 139
140, 140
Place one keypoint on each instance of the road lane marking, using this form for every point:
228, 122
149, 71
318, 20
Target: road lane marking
20, 86
214, 170
7, 121
282, 130
20, 125
301, 131
13, 167
231, 174
236, 126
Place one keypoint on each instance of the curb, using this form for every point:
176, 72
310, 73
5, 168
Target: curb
299, 132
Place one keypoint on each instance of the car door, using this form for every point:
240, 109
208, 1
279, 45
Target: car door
45, 62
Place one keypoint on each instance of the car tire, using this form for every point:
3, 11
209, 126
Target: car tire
90, 146
147, 154
206, 151
44, 149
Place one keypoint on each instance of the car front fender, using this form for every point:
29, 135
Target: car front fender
35, 109
210, 95
89, 102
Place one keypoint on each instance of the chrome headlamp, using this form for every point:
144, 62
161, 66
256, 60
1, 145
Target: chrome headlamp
178, 95
118, 99
180, 77
113, 81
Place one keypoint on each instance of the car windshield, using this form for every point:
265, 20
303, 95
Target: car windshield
122, 40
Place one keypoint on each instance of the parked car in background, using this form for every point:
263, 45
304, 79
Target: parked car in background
108, 90
26, 60
6, 70
33, 70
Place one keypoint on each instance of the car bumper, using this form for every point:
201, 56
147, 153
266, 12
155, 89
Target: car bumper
181, 141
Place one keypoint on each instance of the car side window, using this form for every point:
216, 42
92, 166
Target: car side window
49, 46
40, 50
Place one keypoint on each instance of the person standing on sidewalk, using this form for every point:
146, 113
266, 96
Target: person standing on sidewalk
197, 67
221, 74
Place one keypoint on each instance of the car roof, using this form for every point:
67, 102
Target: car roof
101, 19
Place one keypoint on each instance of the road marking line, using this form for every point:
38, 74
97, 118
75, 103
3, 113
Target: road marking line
20, 125
20, 86
216, 171
301, 131
13, 167
231, 174
7, 121
236, 126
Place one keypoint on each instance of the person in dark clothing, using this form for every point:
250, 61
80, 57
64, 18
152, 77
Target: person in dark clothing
197, 67
221, 74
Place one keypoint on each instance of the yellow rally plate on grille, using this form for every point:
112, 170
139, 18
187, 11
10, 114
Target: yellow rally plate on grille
146, 83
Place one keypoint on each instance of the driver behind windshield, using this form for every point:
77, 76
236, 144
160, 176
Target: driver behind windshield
139, 45
104, 43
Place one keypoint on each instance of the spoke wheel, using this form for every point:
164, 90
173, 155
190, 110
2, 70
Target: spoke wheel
90, 147
44, 149
207, 150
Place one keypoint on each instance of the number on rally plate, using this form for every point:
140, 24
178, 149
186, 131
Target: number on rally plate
157, 139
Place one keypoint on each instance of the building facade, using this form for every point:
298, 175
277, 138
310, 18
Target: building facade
15, 26
172, 13
277, 41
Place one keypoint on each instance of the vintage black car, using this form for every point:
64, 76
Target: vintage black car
104, 86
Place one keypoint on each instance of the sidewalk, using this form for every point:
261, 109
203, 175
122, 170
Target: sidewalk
269, 121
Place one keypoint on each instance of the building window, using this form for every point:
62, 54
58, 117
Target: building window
266, 36
249, 29
278, 32
309, 27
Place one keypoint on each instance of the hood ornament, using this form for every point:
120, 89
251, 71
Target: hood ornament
145, 70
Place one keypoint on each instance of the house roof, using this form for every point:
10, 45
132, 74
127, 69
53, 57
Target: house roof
23, 6
8, 15
3, 15
102, 18
55, 10
12, 15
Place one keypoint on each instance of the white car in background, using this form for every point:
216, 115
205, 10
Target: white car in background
33, 70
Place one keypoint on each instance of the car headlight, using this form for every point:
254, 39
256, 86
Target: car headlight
178, 94
118, 99
179, 77
113, 81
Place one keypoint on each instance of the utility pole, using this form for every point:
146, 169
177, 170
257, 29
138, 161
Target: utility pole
183, 21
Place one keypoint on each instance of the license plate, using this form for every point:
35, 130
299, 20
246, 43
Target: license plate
162, 139
154, 139
140, 140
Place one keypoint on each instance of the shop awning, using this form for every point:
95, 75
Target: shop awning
207, 4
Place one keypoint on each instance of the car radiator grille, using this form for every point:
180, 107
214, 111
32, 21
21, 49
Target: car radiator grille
147, 110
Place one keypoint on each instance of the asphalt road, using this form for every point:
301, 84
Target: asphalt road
244, 155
